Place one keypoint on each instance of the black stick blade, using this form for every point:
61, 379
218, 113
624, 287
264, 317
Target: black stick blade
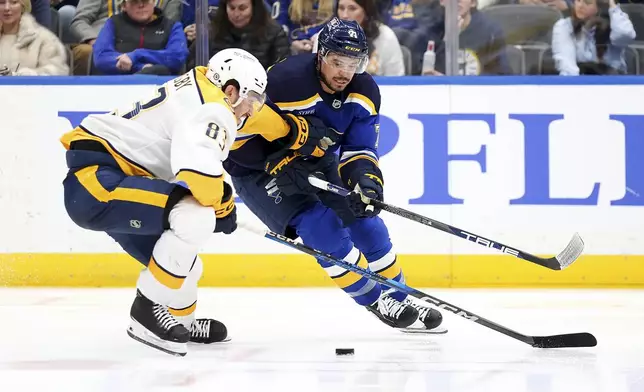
551, 263
583, 339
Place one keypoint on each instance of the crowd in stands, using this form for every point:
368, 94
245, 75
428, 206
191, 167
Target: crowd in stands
497, 37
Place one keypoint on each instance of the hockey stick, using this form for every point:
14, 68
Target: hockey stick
571, 252
583, 339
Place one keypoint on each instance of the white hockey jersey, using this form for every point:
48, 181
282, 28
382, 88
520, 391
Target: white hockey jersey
183, 133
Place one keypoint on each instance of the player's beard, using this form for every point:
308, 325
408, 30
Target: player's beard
335, 80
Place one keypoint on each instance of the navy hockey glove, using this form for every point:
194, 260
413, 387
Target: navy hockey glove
368, 186
291, 173
226, 212
308, 135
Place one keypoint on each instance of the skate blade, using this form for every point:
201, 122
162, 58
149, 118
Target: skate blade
141, 334
423, 331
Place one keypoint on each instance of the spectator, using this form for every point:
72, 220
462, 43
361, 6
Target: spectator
592, 40
66, 11
385, 54
140, 40
40, 10
90, 18
246, 24
412, 25
26, 47
481, 44
302, 19
189, 14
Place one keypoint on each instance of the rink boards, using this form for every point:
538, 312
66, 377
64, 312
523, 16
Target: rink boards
524, 161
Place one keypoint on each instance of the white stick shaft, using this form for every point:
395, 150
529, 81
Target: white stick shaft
319, 183
329, 187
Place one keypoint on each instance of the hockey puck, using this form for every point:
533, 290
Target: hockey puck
344, 351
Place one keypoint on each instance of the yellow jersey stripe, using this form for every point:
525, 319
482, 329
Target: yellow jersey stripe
238, 144
299, 105
128, 166
391, 271
164, 277
244, 136
207, 189
140, 196
362, 101
185, 311
350, 278
87, 178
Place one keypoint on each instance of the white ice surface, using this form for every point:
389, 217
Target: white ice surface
74, 340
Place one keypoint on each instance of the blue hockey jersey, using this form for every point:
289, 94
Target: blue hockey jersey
294, 87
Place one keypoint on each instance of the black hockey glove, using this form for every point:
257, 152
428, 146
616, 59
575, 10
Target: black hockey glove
308, 135
291, 172
226, 212
368, 186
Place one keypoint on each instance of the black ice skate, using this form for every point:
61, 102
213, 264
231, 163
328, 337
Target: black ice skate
429, 320
206, 331
393, 313
152, 324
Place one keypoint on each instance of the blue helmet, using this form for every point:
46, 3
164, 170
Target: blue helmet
345, 38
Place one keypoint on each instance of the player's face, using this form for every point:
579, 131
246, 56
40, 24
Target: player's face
139, 10
249, 105
350, 10
243, 110
338, 70
239, 12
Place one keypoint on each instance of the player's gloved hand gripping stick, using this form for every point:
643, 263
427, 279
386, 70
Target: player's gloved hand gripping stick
562, 260
583, 339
